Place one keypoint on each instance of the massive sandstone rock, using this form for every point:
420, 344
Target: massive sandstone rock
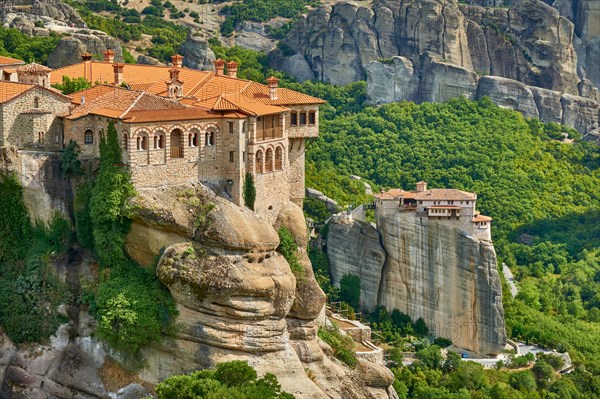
428, 269
70, 49
44, 188
237, 296
196, 53
529, 42
354, 248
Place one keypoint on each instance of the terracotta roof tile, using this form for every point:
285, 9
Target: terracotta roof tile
10, 61
445, 194
34, 68
247, 96
10, 90
481, 218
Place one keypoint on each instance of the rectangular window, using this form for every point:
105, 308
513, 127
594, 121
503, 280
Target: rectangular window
294, 119
230, 127
231, 156
312, 117
302, 118
244, 156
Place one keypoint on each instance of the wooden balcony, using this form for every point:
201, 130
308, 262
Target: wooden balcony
269, 133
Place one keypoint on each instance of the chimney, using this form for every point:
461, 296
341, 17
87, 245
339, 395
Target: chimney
118, 69
421, 186
173, 73
219, 64
109, 56
273, 83
86, 57
177, 61
232, 69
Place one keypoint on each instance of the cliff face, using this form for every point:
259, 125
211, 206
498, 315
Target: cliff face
446, 47
432, 270
237, 298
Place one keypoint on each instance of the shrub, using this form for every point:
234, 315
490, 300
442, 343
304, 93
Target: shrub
15, 227
249, 191
70, 165
342, 345
289, 249
232, 380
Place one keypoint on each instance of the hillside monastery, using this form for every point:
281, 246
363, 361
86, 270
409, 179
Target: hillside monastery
176, 124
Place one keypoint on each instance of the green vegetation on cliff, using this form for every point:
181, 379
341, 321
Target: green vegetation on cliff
30, 49
30, 290
231, 380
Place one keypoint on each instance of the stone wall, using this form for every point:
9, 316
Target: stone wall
24, 125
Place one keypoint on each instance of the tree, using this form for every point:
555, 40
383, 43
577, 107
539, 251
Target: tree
522, 381
249, 191
15, 227
350, 290
70, 165
69, 86
420, 327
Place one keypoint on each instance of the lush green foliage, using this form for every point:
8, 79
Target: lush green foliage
289, 249
15, 44
30, 290
109, 202
350, 290
433, 376
134, 309
69, 85
70, 165
342, 345
249, 191
232, 380
253, 65
260, 11
128, 25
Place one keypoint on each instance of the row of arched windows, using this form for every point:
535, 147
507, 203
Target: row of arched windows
269, 161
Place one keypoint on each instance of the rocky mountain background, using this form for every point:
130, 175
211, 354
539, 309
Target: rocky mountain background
540, 58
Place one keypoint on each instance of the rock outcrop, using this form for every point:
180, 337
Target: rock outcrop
196, 53
429, 269
353, 247
445, 47
433, 80
237, 296
43, 186
69, 49
53, 15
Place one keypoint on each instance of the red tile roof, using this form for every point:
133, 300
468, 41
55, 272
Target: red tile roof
481, 218
10, 61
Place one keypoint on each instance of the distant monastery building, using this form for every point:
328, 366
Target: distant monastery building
438, 204
176, 125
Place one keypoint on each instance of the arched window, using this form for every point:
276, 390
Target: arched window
89, 137
125, 142
161, 141
269, 160
156, 142
139, 143
144, 142
36, 102
278, 158
259, 162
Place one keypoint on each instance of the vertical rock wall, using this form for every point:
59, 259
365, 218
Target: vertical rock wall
428, 269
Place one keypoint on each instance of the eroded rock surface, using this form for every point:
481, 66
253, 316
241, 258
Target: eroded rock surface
70, 49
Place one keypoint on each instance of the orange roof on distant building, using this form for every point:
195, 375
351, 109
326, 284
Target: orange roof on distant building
481, 218
10, 61
445, 194
34, 68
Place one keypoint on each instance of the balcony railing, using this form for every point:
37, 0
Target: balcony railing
176, 152
269, 134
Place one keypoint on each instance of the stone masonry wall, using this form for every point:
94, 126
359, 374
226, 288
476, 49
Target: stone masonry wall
22, 122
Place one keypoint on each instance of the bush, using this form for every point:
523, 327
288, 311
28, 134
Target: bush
231, 380
15, 227
70, 165
342, 345
289, 249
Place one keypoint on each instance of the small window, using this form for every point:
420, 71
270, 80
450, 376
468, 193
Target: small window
294, 119
89, 137
230, 127
302, 118
36, 102
231, 156
244, 156
125, 146
312, 117
245, 127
